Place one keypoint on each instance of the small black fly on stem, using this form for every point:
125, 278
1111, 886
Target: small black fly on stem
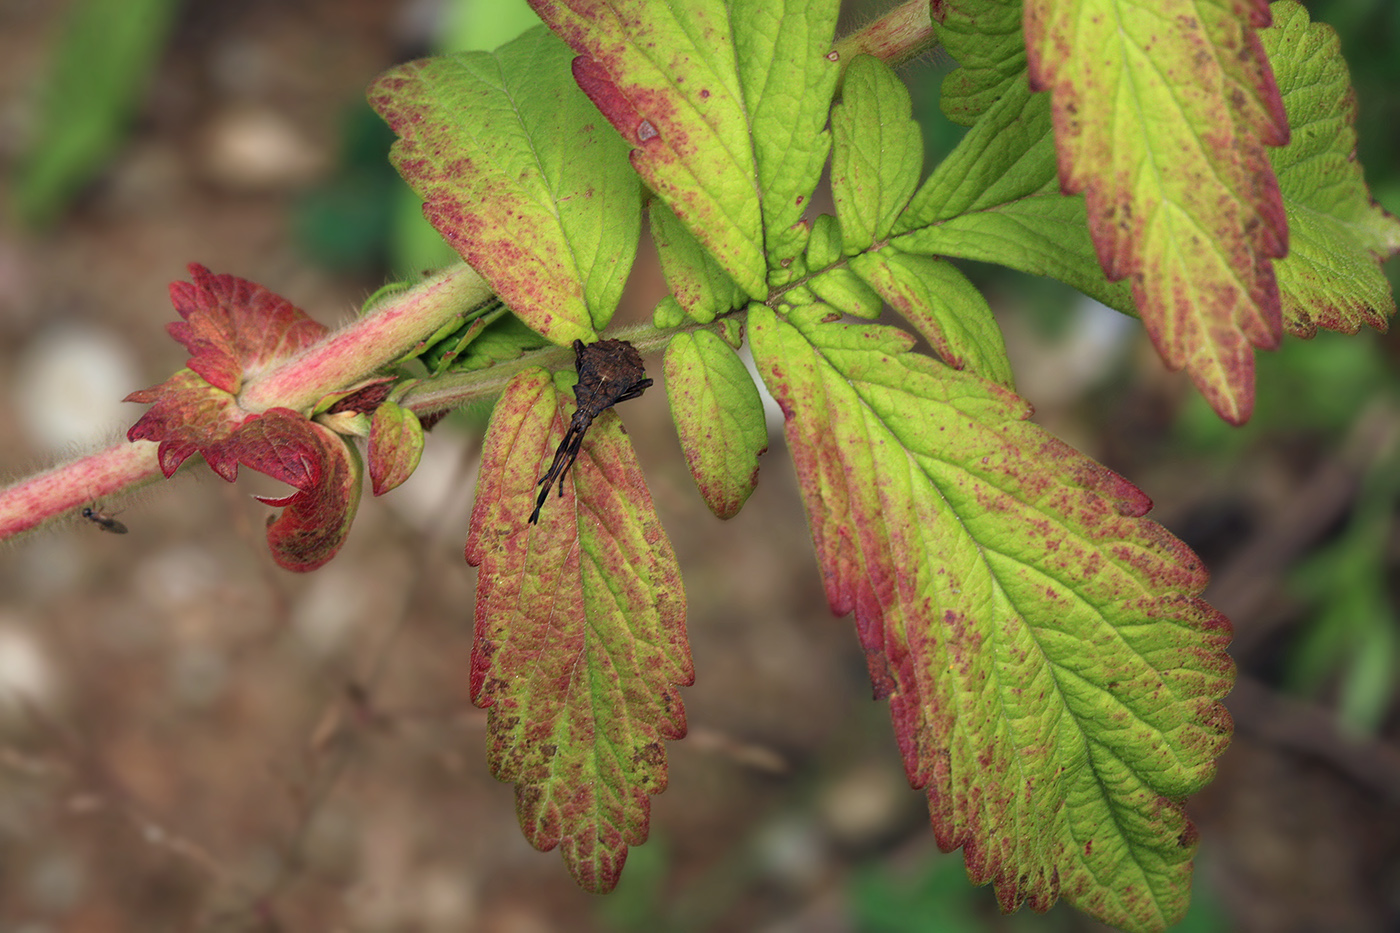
101, 519
609, 371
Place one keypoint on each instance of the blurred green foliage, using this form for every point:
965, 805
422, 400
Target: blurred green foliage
99, 69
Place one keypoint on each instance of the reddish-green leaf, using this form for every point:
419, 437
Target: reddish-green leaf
325, 472
877, 153
995, 199
1054, 677
395, 446
718, 416
580, 632
664, 75
518, 174
1338, 236
1163, 110
189, 416
943, 306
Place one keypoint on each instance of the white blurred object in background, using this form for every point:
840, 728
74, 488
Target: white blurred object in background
70, 383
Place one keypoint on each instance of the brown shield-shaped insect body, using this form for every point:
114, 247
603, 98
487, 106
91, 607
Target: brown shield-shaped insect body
609, 371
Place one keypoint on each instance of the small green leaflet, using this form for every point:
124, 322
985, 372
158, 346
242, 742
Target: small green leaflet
1008, 154
395, 446
519, 175
718, 416
1338, 237
697, 281
943, 306
1163, 110
877, 153
845, 291
995, 198
788, 77
580, 632
984, 38
1053, 676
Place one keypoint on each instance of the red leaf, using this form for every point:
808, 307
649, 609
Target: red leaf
233, 327
326, 474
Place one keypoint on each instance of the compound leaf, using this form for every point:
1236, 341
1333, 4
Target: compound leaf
1338, 236
1054, 677
718, 416
1163, 110
580, 632
517, 173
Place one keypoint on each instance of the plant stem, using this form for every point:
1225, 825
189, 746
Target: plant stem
454, 389
901, 34
368, 344
67, 488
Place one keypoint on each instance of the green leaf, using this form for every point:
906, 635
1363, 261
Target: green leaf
1054, 677
503, 340
1007, 155
995, 198
943, 306
845, 291
697, 281
519, 176
718, 416
664, 75
1338, 236
1043, 234
443, 352
984, 38
1162, 115
788, 80
580, 632
395, 446
877, 153
824, 246
101, 66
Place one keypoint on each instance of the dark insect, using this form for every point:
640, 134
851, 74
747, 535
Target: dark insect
609, 371
102, 520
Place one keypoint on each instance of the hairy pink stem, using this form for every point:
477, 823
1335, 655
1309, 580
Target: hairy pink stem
67, 488
368, 344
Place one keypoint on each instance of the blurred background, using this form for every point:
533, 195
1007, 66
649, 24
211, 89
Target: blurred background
192, 739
